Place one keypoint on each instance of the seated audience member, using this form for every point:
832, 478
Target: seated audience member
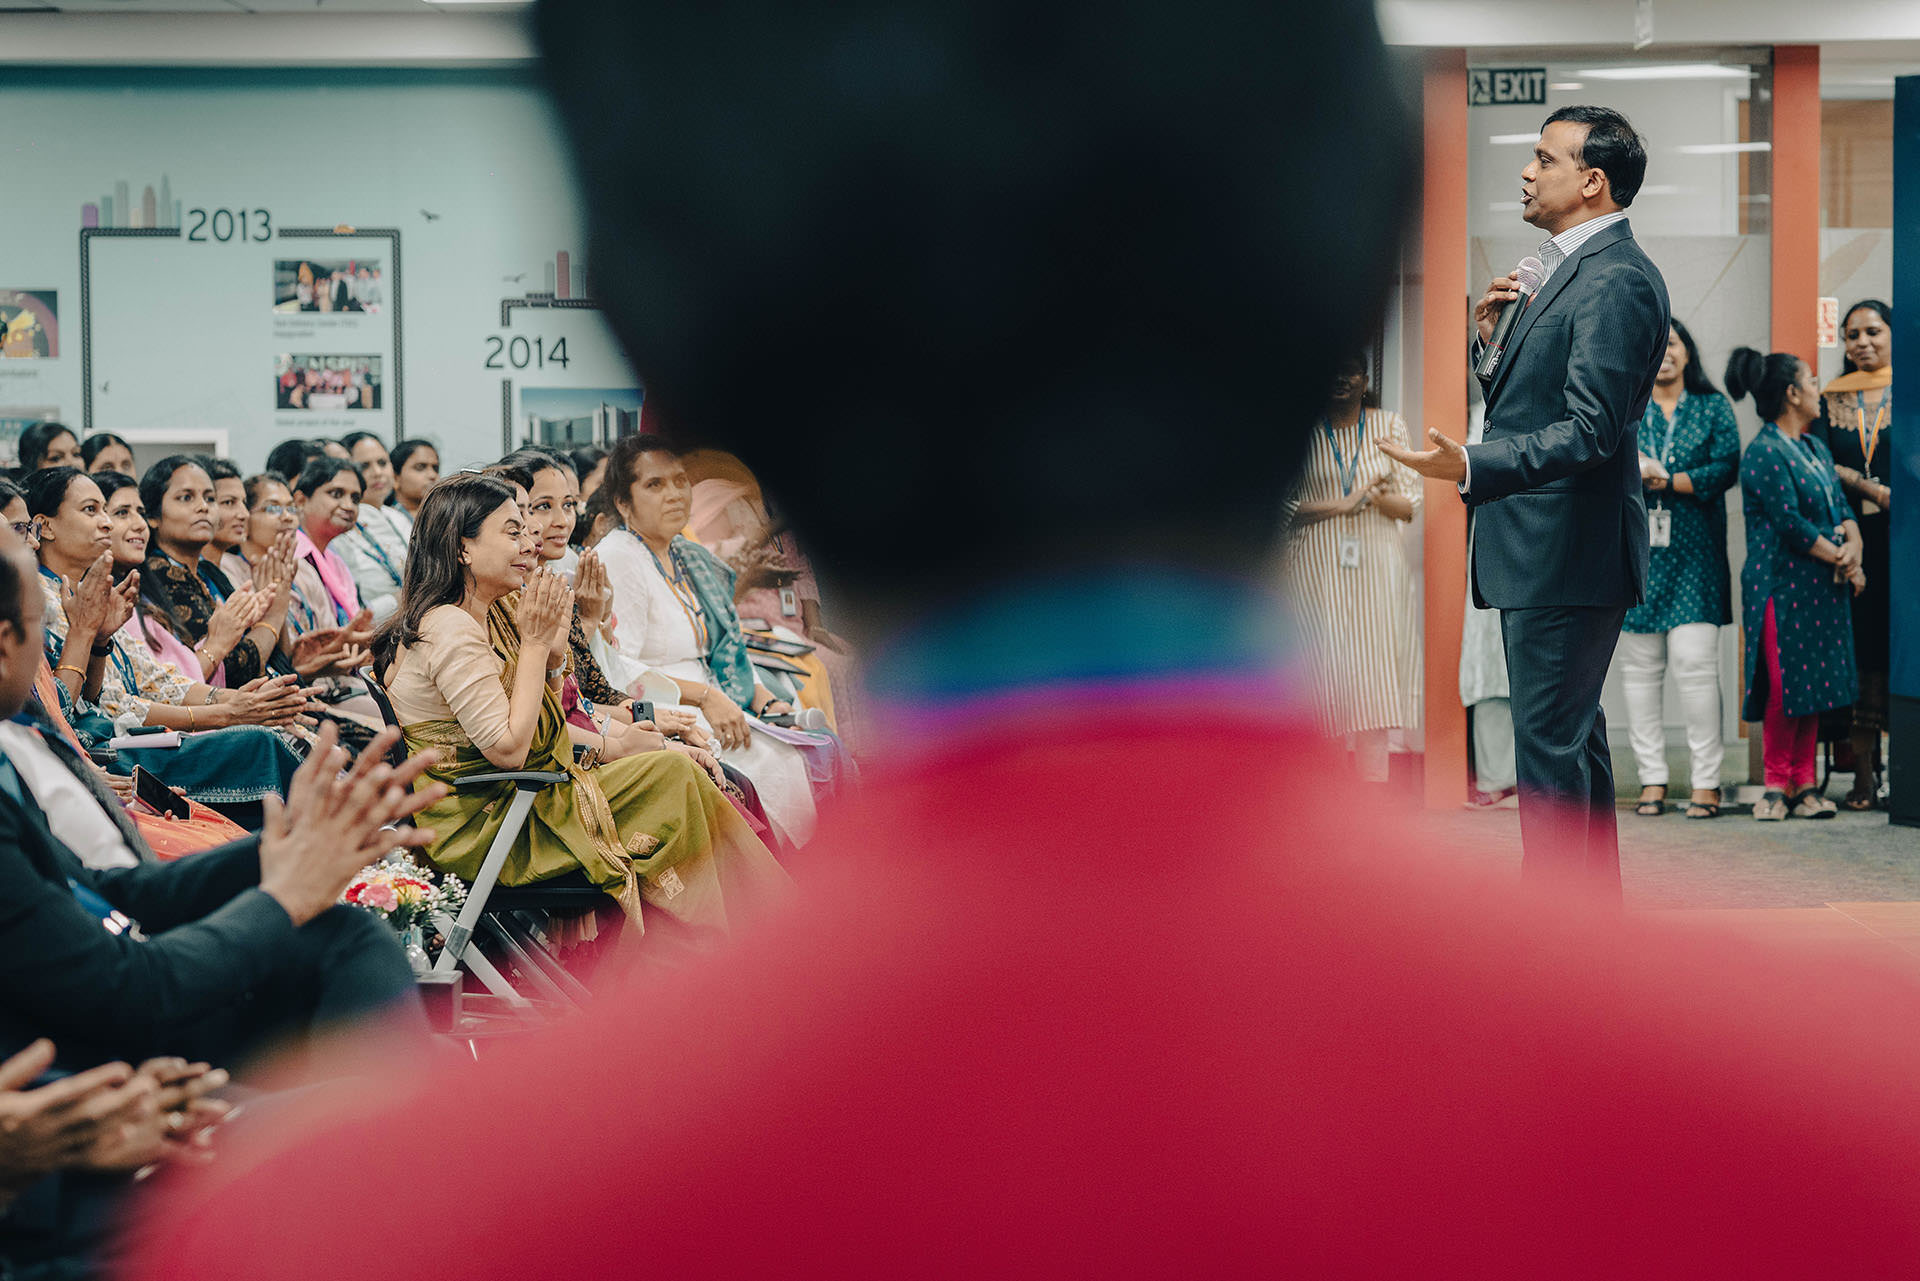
47, 445
116, 682
590, 464
482, 686
674, 618
231, 629
290, 457
164, 836
265, 557
375, 549
272, 519
217, 958
591, 702
729, 517
104, 451
229, 508
254, 920
597, 518
103, 1124
416, 468
549, 499
327, 493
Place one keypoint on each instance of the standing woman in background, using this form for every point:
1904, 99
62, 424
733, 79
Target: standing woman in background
1350, 573
1803, 567
1859, 418
1689, 458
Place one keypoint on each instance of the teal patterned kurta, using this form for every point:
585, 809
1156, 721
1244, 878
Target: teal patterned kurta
1688, 580
1791, 497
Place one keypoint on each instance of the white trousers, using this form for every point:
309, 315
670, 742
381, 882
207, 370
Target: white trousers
1692, 650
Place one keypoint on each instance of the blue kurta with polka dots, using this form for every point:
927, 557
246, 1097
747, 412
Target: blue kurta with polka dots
1791, 498
1688, 580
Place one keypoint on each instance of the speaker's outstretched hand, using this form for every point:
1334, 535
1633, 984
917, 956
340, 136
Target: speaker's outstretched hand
1447, 460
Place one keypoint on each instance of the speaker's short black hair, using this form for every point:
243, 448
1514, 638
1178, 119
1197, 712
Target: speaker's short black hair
834, 240
1611, 146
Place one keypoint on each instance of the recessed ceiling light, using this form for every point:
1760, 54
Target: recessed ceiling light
1668, 71
1513, 139
1566, 86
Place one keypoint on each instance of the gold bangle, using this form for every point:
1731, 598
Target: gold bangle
69, 667
190, 718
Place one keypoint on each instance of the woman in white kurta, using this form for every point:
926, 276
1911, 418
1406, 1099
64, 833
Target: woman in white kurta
1350, 574
659, 636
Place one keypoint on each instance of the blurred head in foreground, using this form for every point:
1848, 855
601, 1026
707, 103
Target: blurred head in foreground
994, 288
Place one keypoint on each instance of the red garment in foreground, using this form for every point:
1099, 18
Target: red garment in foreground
1077, 1000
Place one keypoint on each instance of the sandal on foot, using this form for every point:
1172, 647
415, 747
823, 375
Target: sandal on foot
1702, 809
1858, 800
1811, 804
1771, 808
1651, 806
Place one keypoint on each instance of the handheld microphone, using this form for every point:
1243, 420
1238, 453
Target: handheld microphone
1528, 276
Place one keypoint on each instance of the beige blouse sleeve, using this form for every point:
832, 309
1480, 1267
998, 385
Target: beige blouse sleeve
466, 672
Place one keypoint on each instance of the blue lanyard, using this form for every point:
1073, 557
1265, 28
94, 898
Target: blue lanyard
379, 554
1666, 451
128, 678
1802, 451
1348, 469
340, 615
681, 585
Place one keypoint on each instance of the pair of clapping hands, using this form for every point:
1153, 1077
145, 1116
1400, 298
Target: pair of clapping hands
1653, 473
110, 1118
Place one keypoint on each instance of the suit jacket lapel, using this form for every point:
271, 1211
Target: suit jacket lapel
1544, 299
43, 849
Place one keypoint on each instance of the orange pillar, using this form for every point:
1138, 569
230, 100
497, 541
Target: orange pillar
1796, 200
1443, 404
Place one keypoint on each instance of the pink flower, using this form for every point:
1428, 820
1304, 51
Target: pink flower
380, 896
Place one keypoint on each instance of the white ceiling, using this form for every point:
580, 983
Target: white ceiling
214, 33
1482, 23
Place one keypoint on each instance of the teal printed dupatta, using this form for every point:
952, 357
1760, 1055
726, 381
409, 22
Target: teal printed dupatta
712, 580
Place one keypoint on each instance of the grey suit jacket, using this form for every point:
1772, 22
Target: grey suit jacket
1559, 518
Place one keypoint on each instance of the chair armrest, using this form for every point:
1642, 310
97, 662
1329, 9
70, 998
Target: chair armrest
527, 780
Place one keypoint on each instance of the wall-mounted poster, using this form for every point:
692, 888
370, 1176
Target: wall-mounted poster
328, 284
29, 323
569, 417
327, 382
15, 419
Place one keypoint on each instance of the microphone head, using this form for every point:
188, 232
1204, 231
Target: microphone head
1530, 273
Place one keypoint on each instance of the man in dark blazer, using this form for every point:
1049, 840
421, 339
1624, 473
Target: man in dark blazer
211, 956
1560, 526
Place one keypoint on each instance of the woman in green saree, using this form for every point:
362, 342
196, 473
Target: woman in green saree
473, 662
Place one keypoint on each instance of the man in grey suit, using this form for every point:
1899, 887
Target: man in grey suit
1559, 524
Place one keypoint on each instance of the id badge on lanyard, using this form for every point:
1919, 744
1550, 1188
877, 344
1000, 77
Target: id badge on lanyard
1659, 527
1348, 473
1869, 442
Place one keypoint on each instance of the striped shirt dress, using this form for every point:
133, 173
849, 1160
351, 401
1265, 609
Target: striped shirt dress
1361, 623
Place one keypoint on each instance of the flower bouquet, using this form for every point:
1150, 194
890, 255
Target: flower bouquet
407, 897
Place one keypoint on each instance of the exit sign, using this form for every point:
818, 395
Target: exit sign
1507, 87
